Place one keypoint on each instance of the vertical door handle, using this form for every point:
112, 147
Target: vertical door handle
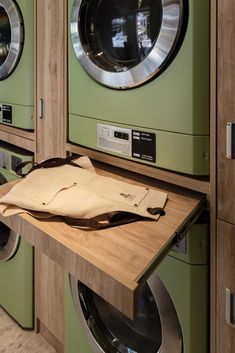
229, 307
230, 140
41, 108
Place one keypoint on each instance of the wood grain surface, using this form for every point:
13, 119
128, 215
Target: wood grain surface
49, 295
13, 136
226, 107
226, 279
51, 132
51, 70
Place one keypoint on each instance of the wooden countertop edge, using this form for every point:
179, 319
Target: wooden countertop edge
30, 135
17, 137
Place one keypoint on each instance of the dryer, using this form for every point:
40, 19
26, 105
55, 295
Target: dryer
16, 254
173, 310
16, 63
139, 80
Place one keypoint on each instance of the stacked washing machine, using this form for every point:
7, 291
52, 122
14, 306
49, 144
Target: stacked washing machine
139, 80
16, 63
16, 110
173, 311
16, 255
139, 90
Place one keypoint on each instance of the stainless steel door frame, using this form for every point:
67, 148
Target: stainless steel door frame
9, 240
17, 37
170, 326
9, 250
161, 53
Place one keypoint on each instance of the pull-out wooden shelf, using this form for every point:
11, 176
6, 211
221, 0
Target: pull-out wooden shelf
113, 262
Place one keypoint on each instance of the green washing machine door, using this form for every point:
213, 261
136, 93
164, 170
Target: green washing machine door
16, 255
16, 63
156, 327
11, 26
16, 276
144, 38
9, 243
9, 240
139, 81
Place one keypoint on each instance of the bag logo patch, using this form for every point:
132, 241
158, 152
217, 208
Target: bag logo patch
127, 196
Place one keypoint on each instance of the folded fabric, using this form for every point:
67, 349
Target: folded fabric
79, 193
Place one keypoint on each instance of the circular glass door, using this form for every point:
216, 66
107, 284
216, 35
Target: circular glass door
124, 43
9, 240
11, 37
155, 329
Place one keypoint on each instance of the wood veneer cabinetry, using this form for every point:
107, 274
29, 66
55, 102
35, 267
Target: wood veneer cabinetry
226, 107
51, 113
51, 68
226, 174
17, 137
226, 279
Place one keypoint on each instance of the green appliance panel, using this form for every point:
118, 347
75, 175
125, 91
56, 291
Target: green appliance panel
174, 105
188, 286
194, 247
16, 274
17, 90
184, 153
16, 290
75, 338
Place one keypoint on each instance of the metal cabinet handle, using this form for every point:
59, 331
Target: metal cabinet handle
230, 140
229, 307
41, 108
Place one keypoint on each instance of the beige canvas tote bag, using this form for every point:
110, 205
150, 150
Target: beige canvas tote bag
71, 188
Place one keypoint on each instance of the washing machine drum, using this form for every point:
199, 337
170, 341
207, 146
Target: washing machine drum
155, 329
124, 43
9, 240
11, 37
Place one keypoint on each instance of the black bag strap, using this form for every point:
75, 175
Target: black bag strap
19, 168
106, 220
48, 163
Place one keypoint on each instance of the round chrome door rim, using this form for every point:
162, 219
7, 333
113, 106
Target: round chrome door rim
16, 38
171, 332
10, 249
165, 44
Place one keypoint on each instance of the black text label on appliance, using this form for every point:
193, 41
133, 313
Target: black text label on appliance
144, 145
6, 114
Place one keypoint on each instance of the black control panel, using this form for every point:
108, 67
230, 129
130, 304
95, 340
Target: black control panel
144, 145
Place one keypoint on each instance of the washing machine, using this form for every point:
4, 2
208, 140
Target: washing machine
173, 310
16, 255
16, 63
139, 81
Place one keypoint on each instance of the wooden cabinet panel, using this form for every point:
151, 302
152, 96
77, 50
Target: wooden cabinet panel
49, 287
51, 85
226, 107
51, 46
226, 279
